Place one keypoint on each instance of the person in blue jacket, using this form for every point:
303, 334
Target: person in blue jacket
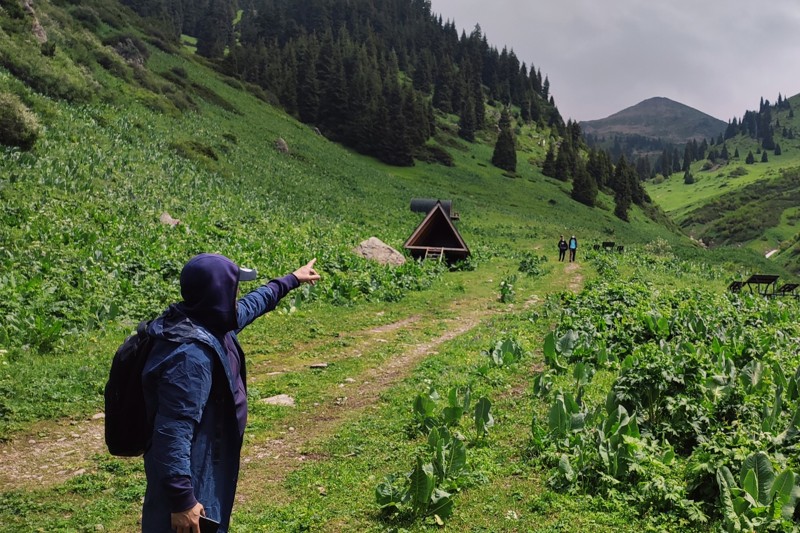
195, 386
573, 247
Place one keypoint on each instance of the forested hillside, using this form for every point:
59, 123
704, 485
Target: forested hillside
740, 189
627, 390
367, 74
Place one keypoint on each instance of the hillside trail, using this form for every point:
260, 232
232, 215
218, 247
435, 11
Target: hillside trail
575, 278
51, 452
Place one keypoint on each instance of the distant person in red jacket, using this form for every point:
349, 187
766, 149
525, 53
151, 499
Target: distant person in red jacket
562, 248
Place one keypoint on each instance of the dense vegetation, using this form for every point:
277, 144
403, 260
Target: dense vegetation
744, 181
136, 154
366, 74
661, 399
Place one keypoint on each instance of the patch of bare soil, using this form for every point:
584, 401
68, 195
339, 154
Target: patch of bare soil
51, 452
280, 456
573, 270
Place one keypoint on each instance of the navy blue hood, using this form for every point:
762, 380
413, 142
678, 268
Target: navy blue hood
209, 285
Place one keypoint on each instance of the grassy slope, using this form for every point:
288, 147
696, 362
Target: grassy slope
679, 199
82, 213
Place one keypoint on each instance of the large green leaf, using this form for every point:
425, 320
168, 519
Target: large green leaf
750, 486
566, 344
764, 476
784, 495
388, 494
558, 419
424, 406
551, 354
457, 458
752, 376
441, 504
549, 348
421, 488
483, 418
566, 469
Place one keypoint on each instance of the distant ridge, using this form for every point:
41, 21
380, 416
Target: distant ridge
658, 118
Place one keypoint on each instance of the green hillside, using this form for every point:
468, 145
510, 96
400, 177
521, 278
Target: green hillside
110, 127
735, 203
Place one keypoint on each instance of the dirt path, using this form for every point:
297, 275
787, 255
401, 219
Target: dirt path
52, 452
280, 456
573, 271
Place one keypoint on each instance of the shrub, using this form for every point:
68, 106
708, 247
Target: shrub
55, 76
18, 124
87, 16
434, 154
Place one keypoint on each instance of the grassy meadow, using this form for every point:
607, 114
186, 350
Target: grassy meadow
741, 186
84, 256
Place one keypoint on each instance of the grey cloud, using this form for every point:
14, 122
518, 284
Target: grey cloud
719, 56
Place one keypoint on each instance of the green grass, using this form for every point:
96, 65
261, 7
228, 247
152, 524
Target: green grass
682, 200
84, 257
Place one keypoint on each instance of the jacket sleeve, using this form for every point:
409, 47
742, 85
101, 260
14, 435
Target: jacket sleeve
183, 388
264, 299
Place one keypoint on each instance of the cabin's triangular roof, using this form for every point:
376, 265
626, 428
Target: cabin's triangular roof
437, 232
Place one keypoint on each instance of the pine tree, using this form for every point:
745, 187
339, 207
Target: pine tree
621, 184
308, 93
333, 111
687, 157
214, 29
750, 159
622, 204
466, 122
564, 162
676, 160
549, 165
505, 151
395, 147
764, 157
688, 179
777, 149
584, 187
443, 88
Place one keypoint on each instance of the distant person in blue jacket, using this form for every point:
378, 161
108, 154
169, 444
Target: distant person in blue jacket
562, 248
195, 386
573, 247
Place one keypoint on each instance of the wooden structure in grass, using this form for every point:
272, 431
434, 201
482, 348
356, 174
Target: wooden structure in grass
436, 237
765, 285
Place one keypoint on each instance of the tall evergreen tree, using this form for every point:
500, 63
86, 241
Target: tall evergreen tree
333, 110
549, 165
467, 122
564, 162
505, 150
308, 93
584, 187
215, 29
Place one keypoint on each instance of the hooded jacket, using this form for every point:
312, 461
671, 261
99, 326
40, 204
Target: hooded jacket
195, 390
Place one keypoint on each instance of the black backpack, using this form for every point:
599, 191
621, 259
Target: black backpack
128, 430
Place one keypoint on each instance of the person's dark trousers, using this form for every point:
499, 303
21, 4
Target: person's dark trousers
572, 255
561, 254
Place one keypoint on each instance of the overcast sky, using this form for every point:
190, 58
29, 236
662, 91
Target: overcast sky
717, 56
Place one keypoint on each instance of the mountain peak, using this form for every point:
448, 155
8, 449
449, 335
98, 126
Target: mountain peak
658, 117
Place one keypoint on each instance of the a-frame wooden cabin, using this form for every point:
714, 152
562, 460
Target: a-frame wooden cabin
437, 238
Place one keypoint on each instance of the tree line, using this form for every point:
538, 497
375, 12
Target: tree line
367, 73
